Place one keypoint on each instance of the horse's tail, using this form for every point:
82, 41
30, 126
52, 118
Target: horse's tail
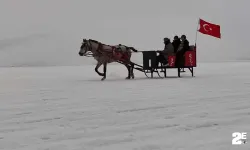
133, 49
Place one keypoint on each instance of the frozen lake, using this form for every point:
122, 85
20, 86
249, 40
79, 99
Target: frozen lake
69, 108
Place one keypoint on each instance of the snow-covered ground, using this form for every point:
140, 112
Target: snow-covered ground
69, 108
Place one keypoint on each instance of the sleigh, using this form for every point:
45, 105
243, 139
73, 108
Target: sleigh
150, 66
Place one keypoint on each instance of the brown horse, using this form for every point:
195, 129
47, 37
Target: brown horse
105, 54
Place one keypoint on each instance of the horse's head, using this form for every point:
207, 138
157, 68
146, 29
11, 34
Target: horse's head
84, 48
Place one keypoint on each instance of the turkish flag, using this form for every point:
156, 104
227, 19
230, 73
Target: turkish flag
209, 29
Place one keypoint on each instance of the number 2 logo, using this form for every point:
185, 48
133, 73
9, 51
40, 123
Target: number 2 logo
239, 138
236, 138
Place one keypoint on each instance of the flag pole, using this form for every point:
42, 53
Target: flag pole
197, 30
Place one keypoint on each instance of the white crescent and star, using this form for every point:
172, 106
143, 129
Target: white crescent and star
207, 28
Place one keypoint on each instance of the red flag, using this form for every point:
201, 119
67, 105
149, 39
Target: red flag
209, 29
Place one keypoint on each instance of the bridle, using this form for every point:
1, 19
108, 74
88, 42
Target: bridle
89, 52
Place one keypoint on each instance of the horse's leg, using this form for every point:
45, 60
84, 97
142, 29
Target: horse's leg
129, 73
104, 71
97, 67
132, 70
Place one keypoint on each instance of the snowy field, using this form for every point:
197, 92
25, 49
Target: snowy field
69, 108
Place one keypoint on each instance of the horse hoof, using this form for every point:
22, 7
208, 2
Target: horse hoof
127, 78
103, 78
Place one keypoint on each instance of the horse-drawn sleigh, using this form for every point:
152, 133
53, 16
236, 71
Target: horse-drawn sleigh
105, 54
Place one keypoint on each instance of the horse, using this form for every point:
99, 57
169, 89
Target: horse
105, 54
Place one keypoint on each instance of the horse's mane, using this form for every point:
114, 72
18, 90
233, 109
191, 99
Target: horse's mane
94, 41
97, 42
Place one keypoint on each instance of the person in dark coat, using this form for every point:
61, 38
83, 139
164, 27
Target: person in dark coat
176, 43
168, 50
184, 46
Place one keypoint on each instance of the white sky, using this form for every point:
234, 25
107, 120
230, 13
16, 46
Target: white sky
50, 31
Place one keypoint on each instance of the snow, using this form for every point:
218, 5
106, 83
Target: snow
69, 108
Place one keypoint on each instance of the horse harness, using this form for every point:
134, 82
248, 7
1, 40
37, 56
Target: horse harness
101, 51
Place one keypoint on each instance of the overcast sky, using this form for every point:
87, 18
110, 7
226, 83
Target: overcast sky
49, 32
